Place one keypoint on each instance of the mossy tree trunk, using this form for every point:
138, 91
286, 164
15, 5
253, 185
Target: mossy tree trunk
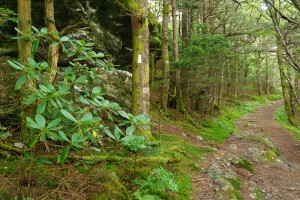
281, 65
53, 51
165, 55
284, 84
140, 60
176, 55
24, 49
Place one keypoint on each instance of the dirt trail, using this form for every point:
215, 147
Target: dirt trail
273, 177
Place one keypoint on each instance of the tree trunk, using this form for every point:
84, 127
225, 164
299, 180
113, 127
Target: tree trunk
259, 85
165, 55
140, 60
296, 4
24, 49
152, 67
283, 79
284, 84
267, 75
176, 55
236, 76
53, 51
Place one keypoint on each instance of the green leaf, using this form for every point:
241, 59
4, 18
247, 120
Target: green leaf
74, 137
64, 38
43, 66
35, 46
99, 55
31, 124
96, 90
130, 130
123, 114
21, 80
31, 61
15, 64
118, 132
63, 89
96, 149
68, 115
54, 104
35, 29
63, 155
33, 141
82, 139
44, 30
44, 88
108, 133
43, 138
53, 44
40, 121
54, 123
84, 101
55, 136
81, 79
63, 136
90, 136
18, 30
41, 107
87, 117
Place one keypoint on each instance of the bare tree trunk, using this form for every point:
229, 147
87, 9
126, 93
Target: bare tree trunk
140, 60
24, 49
53, 51
165, 55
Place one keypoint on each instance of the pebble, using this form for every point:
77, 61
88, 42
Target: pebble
19, 145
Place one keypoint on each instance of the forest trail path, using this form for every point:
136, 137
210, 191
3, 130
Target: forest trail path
273, 177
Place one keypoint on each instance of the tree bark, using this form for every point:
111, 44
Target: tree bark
53, 51
296, 4
267, 75
24, 49
283, 78
140, 60
259, 84
176, 55
165, 55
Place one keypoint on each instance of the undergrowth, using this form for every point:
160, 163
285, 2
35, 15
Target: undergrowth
219, 129
27, 176
282, 119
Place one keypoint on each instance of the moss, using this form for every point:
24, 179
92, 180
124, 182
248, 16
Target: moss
245, 164
235, 195
235, 182
271, 155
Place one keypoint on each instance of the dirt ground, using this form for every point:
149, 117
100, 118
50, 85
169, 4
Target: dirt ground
274, 177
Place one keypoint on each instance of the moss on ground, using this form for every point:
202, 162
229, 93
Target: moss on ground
245, 164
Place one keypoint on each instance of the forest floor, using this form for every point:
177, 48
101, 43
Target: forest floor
260, 161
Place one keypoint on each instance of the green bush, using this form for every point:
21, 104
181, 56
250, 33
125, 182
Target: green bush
275, 97
72, 110
258, 99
